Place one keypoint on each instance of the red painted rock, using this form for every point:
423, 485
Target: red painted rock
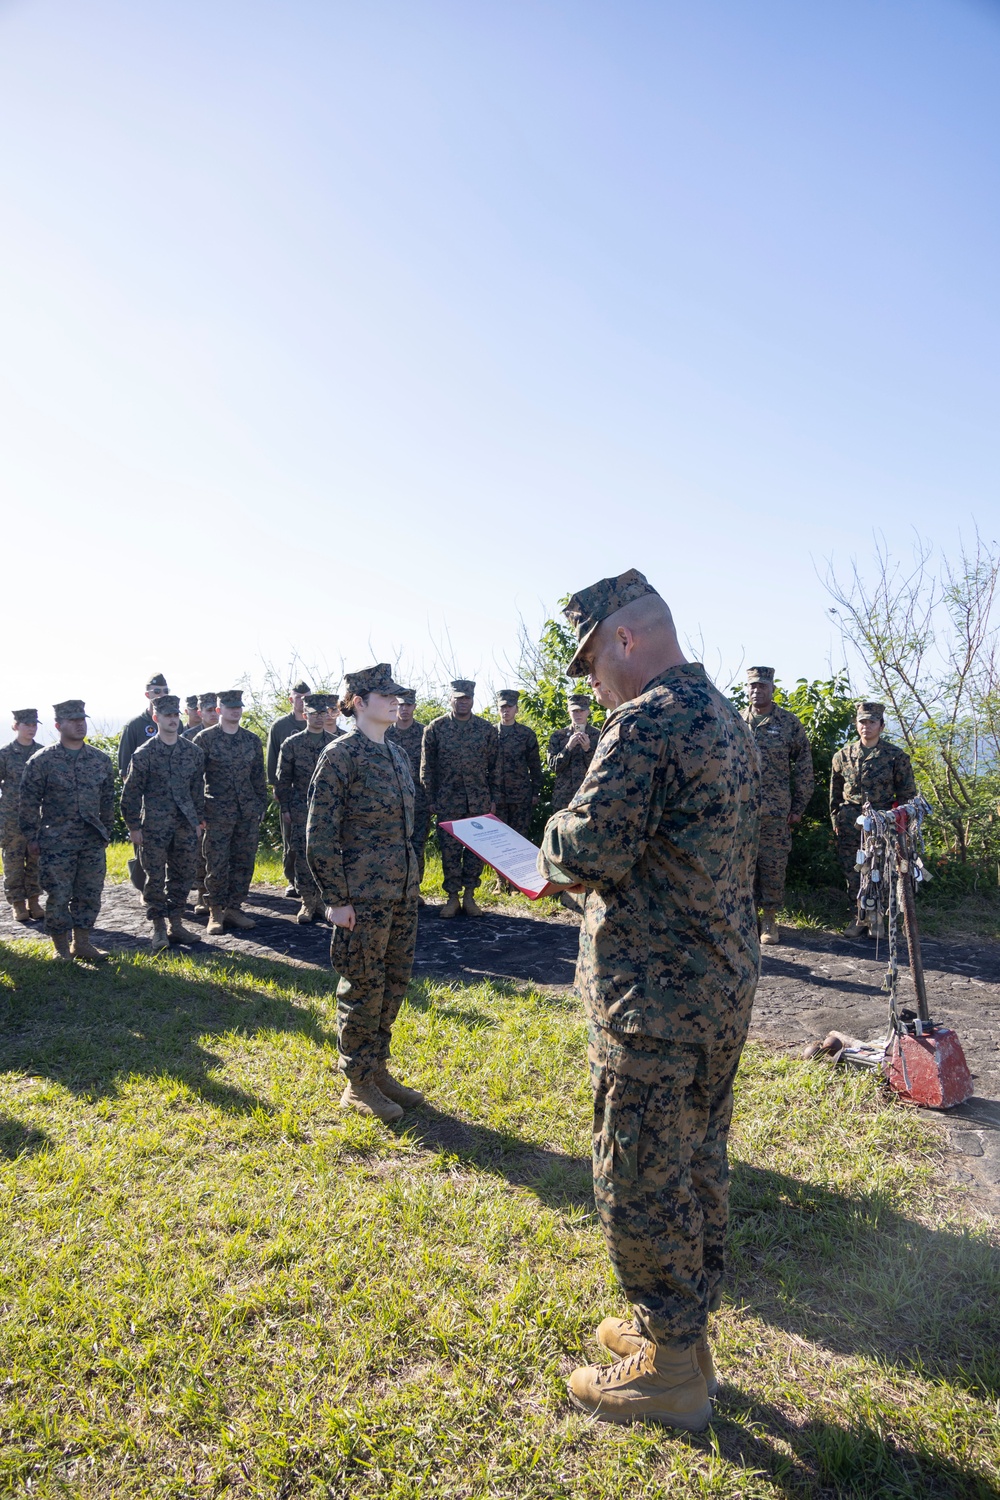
930, 1070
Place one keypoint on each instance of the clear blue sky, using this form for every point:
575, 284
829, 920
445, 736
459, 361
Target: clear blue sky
364, 330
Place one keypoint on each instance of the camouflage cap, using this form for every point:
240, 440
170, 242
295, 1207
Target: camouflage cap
70, 708
760, 674
871, 711
156, 681
302, 687
167, 703
590, 606
232, 698
208, 700
509, 695
25, 715
317, 702
463, 685
191, 701
579, 700
408, 695
377, 679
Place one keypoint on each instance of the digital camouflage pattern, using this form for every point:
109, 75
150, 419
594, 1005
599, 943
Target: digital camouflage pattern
277, 734
519, 775
787, 783
569, 766
663, 832
662, 1112
458, 772
590, 606
235, 797
136, 732
359, 834
410, 741
20, 867
67, 807
297, 760
164, 795
882, 776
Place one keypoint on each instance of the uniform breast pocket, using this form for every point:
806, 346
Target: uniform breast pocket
378, 795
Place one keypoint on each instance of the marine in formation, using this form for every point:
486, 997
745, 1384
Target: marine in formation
408, 733
571, 750
458, 772
359, 843
868, 769
66, 812
519, 765
142, 728
787, 783
294, 722
235, 798
297, 761
163, 804
661, 836
20, 867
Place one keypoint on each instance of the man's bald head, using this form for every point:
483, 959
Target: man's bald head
631, 647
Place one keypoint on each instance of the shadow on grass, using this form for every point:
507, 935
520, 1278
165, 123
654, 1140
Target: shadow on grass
856, 1276
558, 1181
18, 1139
817, 1457
88, 1028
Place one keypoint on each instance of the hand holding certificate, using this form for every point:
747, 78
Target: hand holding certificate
513, 857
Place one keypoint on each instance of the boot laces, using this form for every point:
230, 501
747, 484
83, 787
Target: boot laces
624, 1369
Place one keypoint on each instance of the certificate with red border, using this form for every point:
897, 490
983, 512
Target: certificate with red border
513, 857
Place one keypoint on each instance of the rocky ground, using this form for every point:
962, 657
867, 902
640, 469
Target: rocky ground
813, 983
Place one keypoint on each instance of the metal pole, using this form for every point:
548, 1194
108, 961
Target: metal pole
904, 889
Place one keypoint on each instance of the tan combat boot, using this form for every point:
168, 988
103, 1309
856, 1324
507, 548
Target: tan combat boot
769, 926
659, 1383
305, 913
469, 903
623, 1336
291, 894
159, 940
237, 918
35, 908
369, 1099
82, 947
396, 1091
60, 942
201, 906
20, 909
178, 932
855, 929
451, 906
216, 920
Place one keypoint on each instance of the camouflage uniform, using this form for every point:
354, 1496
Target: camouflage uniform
190, 730
787, 783
235, 797
359, 842
663, 831
458, 772
67, 807
205, 700
277, 734
140, 729
569, 766
882, 776
519, 775
297, 761
164, 794
20, 867
410, 741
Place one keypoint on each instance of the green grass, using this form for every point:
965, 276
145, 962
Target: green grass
940, 913
216, 1283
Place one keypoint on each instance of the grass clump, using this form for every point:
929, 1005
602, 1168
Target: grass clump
217, 1283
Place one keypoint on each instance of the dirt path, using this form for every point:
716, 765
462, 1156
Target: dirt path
813, 983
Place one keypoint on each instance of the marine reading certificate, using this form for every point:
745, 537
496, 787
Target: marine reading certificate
511, 855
